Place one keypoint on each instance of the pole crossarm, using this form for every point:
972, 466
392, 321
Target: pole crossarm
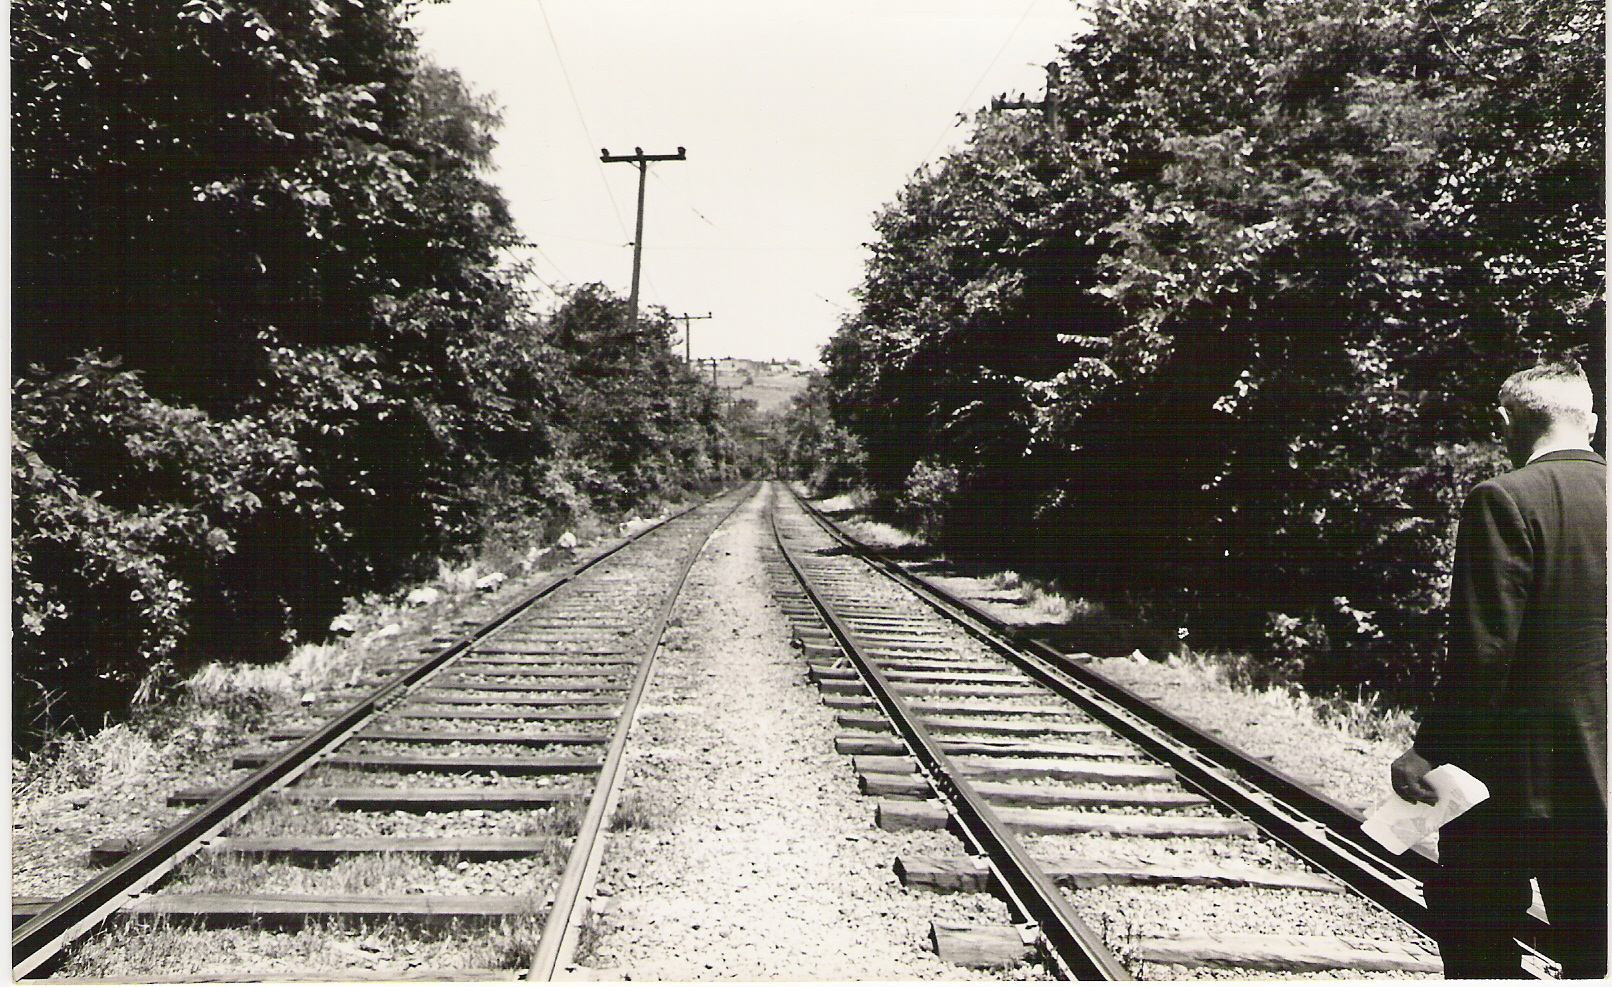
1048, 104
638, 156
688, 332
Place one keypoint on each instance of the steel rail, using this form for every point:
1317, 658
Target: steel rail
1073, 945
38, 940
1311, 823
1315, 804
562, 927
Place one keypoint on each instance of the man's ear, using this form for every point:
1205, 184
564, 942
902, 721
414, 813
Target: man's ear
1505, 415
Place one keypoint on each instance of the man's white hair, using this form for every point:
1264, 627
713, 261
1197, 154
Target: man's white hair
1549, 393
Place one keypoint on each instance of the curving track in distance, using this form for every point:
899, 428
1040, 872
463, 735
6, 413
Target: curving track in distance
522, 719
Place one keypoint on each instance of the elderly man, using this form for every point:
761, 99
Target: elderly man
1521, 698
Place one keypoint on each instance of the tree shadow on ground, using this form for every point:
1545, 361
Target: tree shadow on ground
841, 514
1102, 636
1100, 633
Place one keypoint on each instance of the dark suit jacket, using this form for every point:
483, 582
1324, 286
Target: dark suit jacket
1521, 698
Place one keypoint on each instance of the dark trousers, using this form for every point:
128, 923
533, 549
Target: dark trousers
1478, 899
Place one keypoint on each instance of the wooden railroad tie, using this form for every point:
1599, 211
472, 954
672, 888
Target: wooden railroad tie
914, 786
823, 675
870, 624
323, 848
963, 873
872, 743
562, 624
1000, 769
899, 815
526, 669
383, 973
526, 739
1005, 946
563, 632
989, 947
284, 911
876, 723
826, 666
574, 684
547, 669
944, 706
854, 687
518, 651
439, 713
380, 799
1290, 953
457, 698
453, 763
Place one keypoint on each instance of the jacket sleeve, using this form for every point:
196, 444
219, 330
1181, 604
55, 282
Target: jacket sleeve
1494, 562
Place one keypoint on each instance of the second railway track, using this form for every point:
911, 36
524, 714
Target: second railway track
1133, 854
469, 787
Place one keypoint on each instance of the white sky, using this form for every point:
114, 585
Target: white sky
800, 121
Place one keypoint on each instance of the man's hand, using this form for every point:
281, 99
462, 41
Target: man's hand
1409, 776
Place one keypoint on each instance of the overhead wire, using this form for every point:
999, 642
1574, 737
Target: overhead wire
581, 117
980, 81
557, 270
523, 263
686, 201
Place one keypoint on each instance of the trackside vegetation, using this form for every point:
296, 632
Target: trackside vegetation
1215, 334
270, 353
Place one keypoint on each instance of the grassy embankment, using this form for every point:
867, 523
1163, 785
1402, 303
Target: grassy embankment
223, 702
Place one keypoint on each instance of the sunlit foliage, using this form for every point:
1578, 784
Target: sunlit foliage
268, 351
1220, 333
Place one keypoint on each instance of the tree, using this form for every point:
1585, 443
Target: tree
257, 278
1225, 341
645, 422
197, 182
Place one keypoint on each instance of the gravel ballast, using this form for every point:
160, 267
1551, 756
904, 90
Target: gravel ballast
742, 849
754, 857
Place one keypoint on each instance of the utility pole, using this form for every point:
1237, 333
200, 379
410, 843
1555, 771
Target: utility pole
688, 332
639, 158
1048, 104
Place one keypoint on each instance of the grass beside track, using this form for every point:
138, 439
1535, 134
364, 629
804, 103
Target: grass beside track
170, 947
1024, 600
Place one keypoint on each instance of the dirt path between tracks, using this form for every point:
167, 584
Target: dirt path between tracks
751, 855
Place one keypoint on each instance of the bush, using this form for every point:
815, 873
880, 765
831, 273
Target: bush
927, 495
150, 538
123, 508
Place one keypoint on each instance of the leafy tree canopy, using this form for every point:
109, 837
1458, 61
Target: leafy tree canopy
1222, 327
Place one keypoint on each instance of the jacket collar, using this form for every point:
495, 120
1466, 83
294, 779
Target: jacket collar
1588, 454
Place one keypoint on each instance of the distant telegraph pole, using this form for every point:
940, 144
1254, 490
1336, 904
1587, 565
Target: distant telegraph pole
688, 332
639, 158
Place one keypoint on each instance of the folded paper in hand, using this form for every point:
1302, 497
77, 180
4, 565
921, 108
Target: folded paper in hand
1399, 825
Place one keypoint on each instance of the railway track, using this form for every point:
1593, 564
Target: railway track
459, 804
1137, 846
490, 761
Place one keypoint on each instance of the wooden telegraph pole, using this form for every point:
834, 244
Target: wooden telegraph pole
639, 158
688, 332
1048, 103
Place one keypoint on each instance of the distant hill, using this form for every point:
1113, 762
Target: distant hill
771, 384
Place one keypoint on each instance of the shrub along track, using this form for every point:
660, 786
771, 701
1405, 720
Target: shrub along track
468, 789
1138, 846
